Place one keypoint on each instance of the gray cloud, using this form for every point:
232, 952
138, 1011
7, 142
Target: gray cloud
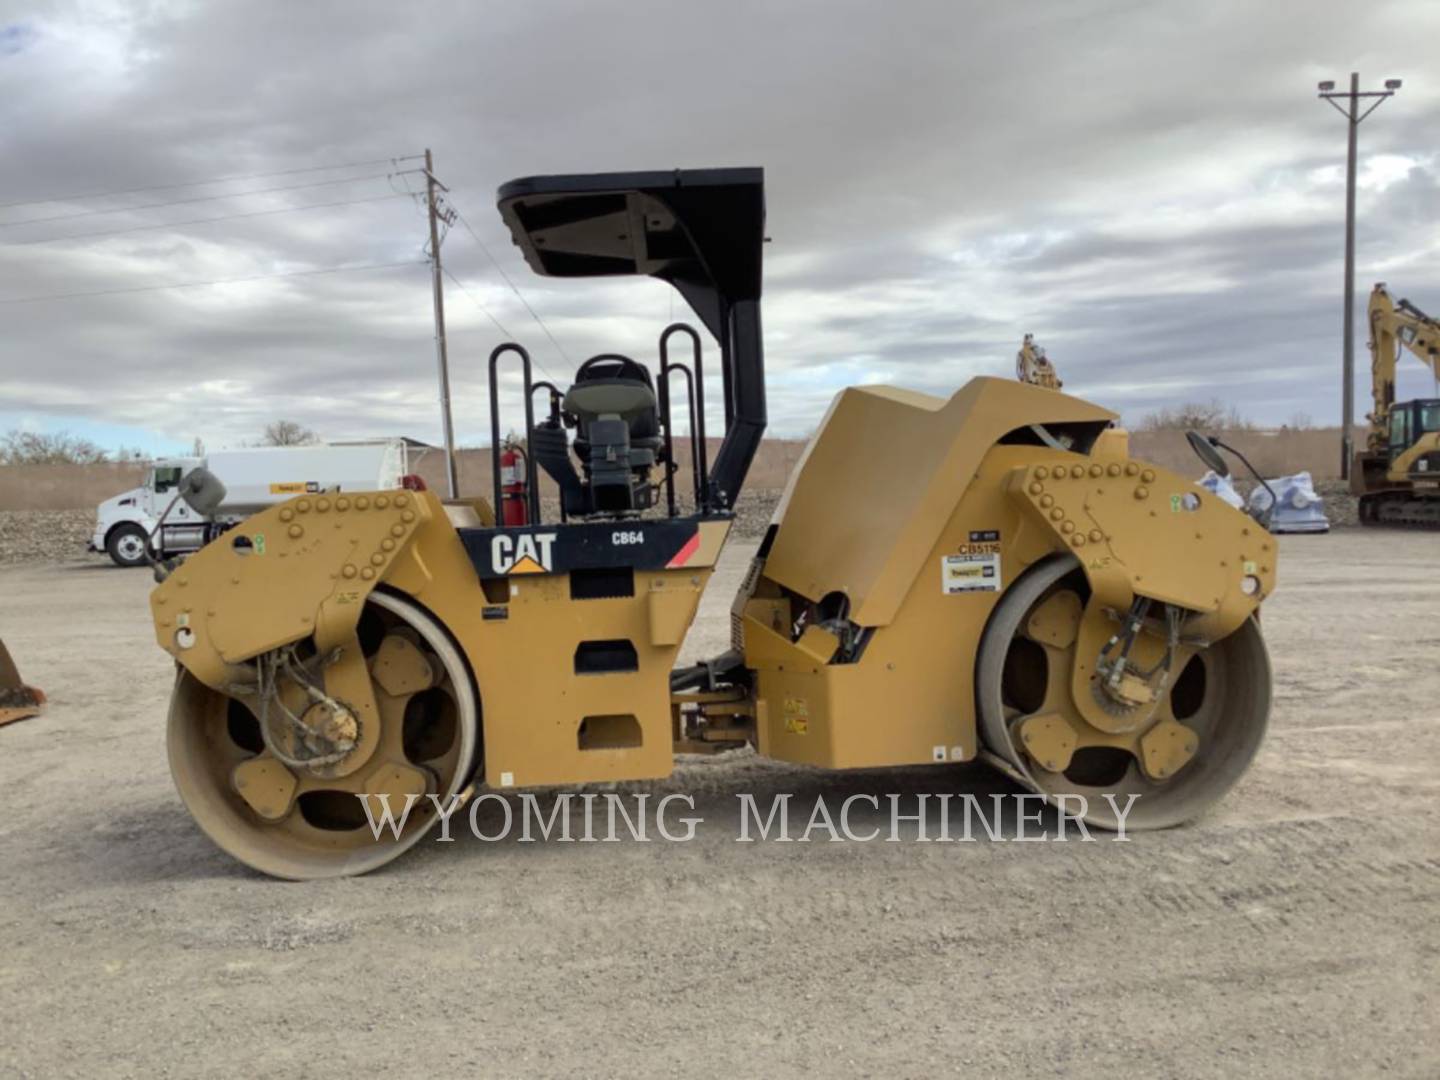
1152, 190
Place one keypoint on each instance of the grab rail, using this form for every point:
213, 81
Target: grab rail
695, 378
531, 486
671, 466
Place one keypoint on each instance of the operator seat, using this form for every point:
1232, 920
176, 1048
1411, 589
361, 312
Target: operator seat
617, 435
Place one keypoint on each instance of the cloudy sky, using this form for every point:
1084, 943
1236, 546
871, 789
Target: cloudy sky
1153, 189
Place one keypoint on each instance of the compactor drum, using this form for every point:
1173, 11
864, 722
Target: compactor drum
990, 576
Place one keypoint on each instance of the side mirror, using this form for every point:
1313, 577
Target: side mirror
202, 491
1206, 452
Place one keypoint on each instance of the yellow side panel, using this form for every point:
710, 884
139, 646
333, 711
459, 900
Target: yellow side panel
670, 612
881, 478
910, 699
533, 700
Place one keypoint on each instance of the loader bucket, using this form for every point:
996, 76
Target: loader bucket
17, 701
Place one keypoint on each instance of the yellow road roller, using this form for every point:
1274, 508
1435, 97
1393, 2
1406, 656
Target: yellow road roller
990, 576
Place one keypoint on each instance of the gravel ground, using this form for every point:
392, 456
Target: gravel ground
1291, 932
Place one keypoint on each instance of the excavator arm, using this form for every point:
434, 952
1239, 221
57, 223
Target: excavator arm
1394, 324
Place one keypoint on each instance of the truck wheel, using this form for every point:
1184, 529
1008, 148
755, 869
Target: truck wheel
126, 545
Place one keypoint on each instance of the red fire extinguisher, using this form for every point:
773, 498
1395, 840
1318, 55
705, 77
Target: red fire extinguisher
514, 490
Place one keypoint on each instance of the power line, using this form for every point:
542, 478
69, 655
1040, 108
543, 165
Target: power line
498, 325
198, 199
204, 221
484, 310
494, 262
217, 281
213, 180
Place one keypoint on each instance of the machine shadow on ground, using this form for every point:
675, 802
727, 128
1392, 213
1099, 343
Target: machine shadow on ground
154, 843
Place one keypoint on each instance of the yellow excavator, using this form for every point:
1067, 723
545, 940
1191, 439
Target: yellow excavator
1397, 475
990, 576
1034, 367
17, 701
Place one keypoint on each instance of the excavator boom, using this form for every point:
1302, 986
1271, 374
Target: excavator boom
1393, 325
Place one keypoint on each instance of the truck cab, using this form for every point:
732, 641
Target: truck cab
254, 477
124, 523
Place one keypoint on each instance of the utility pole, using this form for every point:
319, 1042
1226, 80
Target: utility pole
442, 359
1353, 115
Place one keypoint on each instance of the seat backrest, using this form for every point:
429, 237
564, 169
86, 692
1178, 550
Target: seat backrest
625, 398
614, 385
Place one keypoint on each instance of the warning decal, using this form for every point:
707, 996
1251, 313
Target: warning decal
971, 572
797, 716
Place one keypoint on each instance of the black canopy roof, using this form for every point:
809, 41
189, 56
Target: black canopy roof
699, 229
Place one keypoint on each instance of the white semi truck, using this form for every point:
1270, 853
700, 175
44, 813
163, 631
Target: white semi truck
253, 478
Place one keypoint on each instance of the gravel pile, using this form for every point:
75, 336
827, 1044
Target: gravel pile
753, 511
1341, 507
44, 535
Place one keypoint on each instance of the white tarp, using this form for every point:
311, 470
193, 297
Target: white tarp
1219, 485
1300, 509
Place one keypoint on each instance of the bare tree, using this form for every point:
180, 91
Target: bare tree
288, 433
57, 448
1212, 415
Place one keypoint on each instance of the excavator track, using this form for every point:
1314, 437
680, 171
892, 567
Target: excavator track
1399, 509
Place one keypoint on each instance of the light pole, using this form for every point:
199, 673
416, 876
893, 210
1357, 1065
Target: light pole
1353, 116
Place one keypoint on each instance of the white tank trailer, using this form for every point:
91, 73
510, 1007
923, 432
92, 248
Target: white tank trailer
254, 478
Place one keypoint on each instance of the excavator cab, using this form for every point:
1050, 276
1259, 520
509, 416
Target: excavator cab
1409, 421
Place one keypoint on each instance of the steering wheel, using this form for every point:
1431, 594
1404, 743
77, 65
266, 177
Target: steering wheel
625, 368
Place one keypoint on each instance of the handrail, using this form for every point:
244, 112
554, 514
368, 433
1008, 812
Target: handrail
697, 401
671, 468
532, 487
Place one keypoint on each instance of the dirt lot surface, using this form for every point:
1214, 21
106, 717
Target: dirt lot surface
1292, 932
